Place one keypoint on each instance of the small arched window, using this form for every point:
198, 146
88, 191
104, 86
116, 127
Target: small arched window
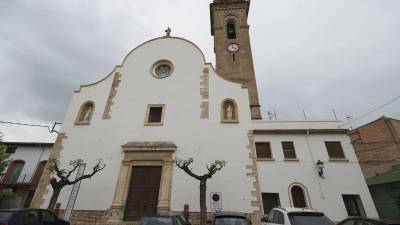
85, 113
231, 29
229, 111
298, 197
14, 171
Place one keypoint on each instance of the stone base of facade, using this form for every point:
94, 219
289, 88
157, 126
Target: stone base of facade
101, 217
86, 217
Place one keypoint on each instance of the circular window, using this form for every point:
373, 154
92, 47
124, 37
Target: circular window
162, 69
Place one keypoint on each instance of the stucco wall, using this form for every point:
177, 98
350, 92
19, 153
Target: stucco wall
204, 140
324, 194
32, 155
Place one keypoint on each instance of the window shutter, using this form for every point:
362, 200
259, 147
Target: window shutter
335, 149
263, 150
288, 150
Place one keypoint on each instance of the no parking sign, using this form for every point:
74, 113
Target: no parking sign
216, 201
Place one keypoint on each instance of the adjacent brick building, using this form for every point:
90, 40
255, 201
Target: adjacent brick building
377, 145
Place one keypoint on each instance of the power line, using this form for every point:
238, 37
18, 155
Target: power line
372, 111
50, 129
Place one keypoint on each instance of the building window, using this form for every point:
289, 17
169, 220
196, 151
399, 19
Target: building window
270, 201
85, 113
288, 150
229, 111
154, 115
39, 171
353, 205
298, 197
263, 150
11, 149
14, 171
231, 30
335, 150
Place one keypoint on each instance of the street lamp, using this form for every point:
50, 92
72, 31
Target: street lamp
320, 166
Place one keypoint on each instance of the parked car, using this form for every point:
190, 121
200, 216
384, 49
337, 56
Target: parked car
29, 217
163, 220
229, 218
295, 216
366, 221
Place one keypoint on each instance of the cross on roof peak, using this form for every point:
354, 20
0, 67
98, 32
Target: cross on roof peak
168, 32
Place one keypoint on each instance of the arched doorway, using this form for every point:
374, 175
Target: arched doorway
299, 196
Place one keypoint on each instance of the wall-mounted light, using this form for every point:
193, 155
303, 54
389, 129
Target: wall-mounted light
320, 166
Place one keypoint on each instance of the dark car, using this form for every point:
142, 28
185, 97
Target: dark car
230, 218
366, 221
29, 217
163, 220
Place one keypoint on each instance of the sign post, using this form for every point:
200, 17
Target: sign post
216, 201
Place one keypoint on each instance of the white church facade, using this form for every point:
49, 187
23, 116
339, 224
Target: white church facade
164, 101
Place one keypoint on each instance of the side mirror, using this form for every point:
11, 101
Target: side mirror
264, 219
209, 221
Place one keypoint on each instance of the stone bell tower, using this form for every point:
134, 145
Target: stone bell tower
232, 47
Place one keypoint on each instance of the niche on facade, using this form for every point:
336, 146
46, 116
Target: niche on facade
229, 111
85, 113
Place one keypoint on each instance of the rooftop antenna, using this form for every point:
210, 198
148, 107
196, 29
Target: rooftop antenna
304, 113
349, 118
334, 114
270, 115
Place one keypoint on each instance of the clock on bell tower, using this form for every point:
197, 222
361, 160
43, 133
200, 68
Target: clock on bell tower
232, 47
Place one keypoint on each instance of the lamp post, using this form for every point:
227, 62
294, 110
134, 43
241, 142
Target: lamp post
320, 166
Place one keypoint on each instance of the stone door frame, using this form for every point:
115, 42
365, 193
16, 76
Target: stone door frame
143, 154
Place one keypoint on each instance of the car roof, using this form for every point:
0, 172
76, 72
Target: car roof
230, 213
16, 209
369, 218
291, 209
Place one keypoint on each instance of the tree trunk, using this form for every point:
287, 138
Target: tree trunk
54, 198
203, 207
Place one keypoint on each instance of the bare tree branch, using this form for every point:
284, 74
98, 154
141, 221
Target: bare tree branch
98, 167
184, 165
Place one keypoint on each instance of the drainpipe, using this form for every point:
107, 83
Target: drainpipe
313, 161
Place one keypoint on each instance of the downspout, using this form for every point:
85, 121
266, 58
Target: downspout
313, 161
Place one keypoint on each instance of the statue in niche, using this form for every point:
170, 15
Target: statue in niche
229, 112
88, 114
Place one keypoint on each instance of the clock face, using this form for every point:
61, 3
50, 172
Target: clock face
163, 71
233, 47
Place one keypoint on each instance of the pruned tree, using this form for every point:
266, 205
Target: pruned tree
213, 168
62, 177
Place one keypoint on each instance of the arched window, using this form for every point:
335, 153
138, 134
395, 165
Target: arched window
39, 171
231, 29
14, 171
299, 196
229, 111
85, 113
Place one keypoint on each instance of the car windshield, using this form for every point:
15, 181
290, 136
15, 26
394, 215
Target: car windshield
5, 216
156, 221
231, 221
308, 218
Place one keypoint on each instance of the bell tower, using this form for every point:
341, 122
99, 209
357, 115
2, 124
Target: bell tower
232, 47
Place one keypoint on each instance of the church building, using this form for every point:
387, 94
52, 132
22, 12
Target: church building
164, 101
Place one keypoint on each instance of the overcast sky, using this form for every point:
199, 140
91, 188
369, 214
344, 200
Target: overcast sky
315, 55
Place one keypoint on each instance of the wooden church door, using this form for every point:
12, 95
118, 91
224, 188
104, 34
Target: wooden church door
143, 192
